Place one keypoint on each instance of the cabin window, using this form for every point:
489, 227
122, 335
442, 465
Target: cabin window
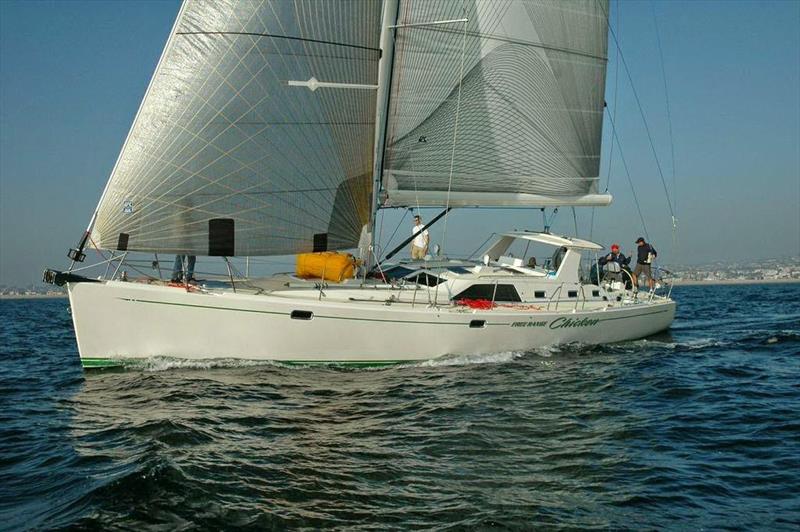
302, 314
477, 324
505, 292
557, 257
596, 293
572, 293
539, 293
425, 278
397, 272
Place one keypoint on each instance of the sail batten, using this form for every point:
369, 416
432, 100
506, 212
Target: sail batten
222, 134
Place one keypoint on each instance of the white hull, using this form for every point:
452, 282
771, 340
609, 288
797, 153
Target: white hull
122, 320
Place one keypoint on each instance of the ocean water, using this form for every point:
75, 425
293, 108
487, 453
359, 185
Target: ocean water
695, 428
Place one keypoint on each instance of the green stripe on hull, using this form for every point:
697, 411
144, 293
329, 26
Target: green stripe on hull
102, 363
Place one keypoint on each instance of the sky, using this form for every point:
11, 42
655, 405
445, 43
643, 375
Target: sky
72, 75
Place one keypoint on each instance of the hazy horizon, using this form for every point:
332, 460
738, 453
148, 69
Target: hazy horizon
72, 75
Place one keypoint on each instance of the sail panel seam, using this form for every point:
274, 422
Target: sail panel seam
288, 37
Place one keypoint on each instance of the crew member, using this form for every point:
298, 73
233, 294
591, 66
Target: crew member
614, 256
419, 246
178, 269
645, 254
614, 263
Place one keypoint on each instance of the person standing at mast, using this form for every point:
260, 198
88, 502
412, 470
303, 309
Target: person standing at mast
419, 246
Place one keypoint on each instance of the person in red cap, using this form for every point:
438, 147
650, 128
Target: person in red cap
614, 256
614, 263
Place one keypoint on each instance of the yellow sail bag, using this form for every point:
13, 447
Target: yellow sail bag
328, 265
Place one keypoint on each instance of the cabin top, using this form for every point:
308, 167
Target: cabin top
506, 239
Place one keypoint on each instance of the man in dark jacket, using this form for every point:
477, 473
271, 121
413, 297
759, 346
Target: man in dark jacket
614, 256
645, 254
614, 263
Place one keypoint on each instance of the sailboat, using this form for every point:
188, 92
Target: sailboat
282, 127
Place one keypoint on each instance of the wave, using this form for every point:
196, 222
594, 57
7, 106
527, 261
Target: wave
771, 338
158, 364
465, 360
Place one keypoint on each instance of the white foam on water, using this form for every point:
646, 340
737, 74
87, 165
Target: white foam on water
157, 364
167, 363
701, 343
547, 351
465, 360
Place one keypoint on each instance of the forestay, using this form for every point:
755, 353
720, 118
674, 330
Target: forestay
222, 136
531, 103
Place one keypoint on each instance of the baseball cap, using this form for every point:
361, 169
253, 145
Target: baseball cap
614, 246
640, 239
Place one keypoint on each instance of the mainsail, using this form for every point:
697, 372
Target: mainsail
524, 82
226, 141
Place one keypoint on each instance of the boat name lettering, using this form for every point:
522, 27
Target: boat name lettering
560, 323
529, 324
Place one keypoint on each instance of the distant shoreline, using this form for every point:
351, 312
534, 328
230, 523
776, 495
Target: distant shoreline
692, 282
33, 296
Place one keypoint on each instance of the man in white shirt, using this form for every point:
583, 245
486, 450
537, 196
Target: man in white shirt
419, 246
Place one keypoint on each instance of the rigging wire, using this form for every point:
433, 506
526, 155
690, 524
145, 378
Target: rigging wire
389, 242
481, 246
455, 127
644, 119
377, 252
575, 220
455, 138
120, 258
669, 125
549, 223
669, 114
628, 175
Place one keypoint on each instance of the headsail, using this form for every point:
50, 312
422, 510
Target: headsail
531, 103
222, 134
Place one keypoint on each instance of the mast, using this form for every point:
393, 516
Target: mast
390, 8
